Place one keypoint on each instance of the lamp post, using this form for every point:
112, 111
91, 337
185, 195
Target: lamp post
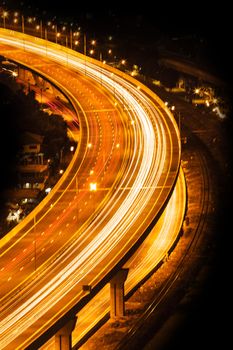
56, 33
4, 15
22, 20
85, 45
41, 29
71, 39
34, 230
85, 51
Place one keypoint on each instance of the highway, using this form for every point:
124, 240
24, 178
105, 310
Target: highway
143, 261
129, 149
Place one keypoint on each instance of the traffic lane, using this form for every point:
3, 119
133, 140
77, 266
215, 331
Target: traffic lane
89, 107
144, 260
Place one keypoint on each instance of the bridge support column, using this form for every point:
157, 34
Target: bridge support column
63, 338
117, 303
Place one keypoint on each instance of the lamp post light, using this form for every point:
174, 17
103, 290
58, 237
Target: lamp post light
76, 43
4, 15
15, 21
57, 36
93, 187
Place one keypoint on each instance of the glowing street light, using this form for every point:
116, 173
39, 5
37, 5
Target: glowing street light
4, 15
93, 187
47, 190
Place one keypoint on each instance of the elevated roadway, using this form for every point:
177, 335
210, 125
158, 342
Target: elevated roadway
116, 187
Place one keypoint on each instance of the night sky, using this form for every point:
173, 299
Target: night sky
148, 21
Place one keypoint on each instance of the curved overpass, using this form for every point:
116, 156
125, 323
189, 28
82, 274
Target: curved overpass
129, 147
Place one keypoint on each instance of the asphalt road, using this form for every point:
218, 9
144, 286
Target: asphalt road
129, 150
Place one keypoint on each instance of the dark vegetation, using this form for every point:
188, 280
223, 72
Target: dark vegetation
21, 113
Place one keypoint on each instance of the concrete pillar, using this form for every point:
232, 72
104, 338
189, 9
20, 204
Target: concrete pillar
39, 81
117, 304
63, 338
21, 74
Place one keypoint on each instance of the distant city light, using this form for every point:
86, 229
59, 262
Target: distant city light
47, 190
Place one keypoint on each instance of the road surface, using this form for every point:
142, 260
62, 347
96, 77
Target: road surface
118, 182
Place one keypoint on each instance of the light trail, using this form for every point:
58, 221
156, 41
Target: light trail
145, 259
132, 201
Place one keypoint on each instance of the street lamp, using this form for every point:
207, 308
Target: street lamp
76, 43
85, 51
4, 15
57, 36
93, 187
22, 20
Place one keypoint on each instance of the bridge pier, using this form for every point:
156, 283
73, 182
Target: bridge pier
63, 338
117, 293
